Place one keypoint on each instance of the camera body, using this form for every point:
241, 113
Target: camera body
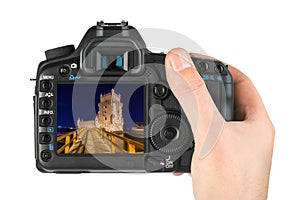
106, 106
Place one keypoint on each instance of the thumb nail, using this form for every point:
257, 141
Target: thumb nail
181, 60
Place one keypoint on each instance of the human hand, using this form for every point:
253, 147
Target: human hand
237, 164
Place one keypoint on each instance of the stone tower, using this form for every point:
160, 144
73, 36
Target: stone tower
110, 115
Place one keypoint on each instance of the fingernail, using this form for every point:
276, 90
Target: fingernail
180, 60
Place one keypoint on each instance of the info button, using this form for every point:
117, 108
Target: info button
45, 120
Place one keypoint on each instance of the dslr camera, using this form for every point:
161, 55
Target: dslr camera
107, 107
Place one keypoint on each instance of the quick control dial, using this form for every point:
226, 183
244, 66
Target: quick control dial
170, 134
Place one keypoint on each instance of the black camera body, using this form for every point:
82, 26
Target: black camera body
106, 106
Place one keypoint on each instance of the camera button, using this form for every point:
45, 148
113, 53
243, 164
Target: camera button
64, 70
159, 90
45, 86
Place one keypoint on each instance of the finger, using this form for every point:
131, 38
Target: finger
190, 90
248, 103
192, 94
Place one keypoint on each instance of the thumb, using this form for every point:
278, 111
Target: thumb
190, 90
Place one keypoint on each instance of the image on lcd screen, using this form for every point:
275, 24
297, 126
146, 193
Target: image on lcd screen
100, 119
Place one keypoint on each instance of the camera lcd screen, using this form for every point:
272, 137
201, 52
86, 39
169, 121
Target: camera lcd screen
100, 119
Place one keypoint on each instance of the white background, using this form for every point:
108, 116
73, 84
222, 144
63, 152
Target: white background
259, 37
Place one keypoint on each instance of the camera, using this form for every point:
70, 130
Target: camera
106, 106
